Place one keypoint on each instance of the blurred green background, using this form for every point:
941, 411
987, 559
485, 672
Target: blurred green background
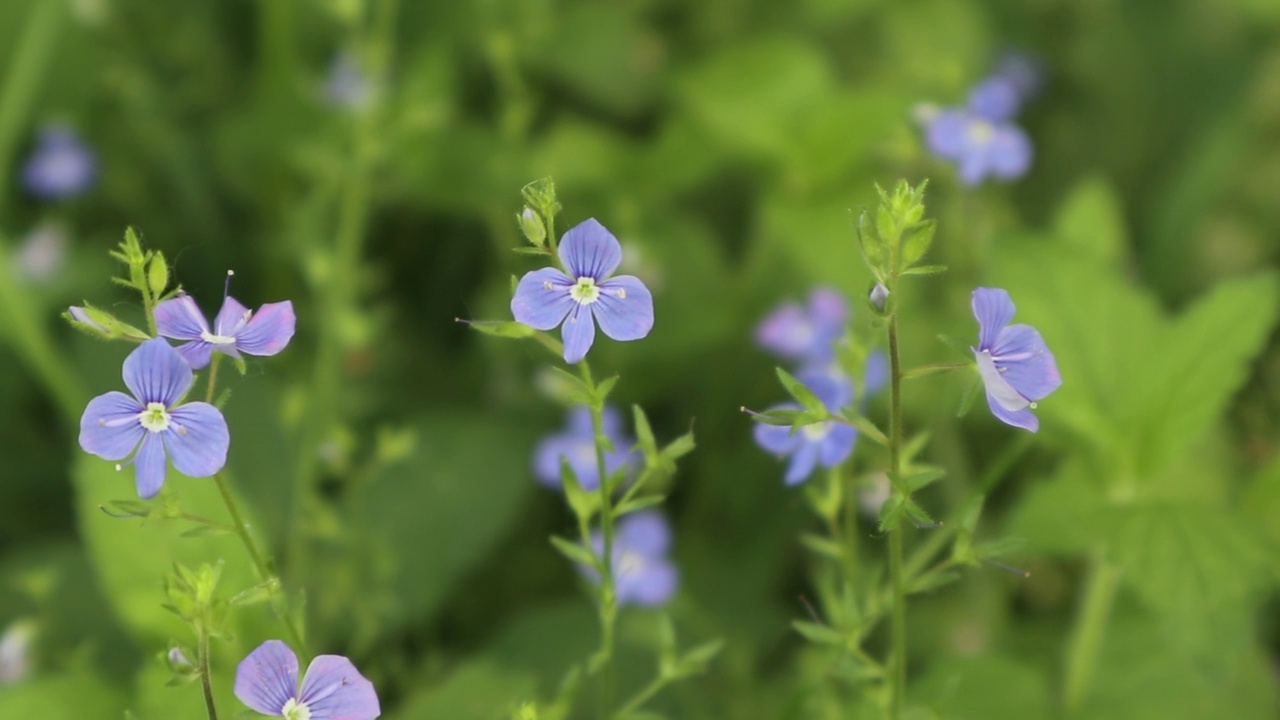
725, 142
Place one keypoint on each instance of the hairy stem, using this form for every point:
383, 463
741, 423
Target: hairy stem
898, 665
608, 598
206, 681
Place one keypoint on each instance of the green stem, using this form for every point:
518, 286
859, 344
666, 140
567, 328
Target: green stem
1089, 630
642, 697
275, 47
608, 600
206, 681
36, 43
897, 581
30, 340
213, 377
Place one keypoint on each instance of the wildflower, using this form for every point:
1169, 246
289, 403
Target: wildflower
878, 297
995, 99
332, 689
576, 444
1022, 71
42, 254
548, 297
15, 652
235, 330
642, 573
805, 333
979, 147
1016, 367
347, 86
193, 435
60, 166
827, 443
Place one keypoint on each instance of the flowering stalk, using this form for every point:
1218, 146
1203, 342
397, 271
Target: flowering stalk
898, 662
608, 594
202, 661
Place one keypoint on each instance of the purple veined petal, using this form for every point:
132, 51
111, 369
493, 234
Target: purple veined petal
624, 308
1025, 362
998, 389
149, 466
590, 250
542, 299
994, 309
197, 353
646, 533
1023, 418
179, 318
802, 462
578, 333
995, 99
109, 427
1009, 153
197, 439
655, 585
947, 135
155, 372
786, 331
334, 690
778, 439
231, 317
268, 331
838, 444
267, 678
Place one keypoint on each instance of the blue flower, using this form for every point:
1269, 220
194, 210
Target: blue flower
1022, 71
995, 99
235, 330
827, 443
806, 334
642, 573
576, 444
979, 147
347, 86
1017, 368
332, 689
193, 435
60, 166
548, 297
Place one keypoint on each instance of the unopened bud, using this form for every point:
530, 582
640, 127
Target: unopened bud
879, 297
532, 227
157, 275
178, 660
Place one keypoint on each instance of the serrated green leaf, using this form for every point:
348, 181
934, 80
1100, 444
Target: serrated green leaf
923, 476
1091, 220
917, 244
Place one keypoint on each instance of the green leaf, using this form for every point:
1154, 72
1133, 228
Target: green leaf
923, 476
868, 430
501, 328
800, 392
821, 634
1091, 220
925, 270
74, 695
639, 503
823, 546
585, 504
917, 244
575, 552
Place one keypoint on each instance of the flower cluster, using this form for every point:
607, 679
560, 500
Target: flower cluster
980, 137
643, 575
808, 335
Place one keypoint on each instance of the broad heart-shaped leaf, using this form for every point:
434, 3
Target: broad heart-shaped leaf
77, 695
131, 556
992, 687
431, 518
1202, 359
1092, 220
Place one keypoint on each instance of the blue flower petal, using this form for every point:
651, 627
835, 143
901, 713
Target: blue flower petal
109, 427
624, 308
542, 299
838, 444
155, 372
646, 533
197, 439
1023, 418
994, 309
334, 690
948, 134
179, 318
578, 332
149, 466
786, 331
590, 250
231, 317
267, 678
197, 353
802, 462
652, 586
1026, 363
995, 99
1009, 153
268, 330
778, 439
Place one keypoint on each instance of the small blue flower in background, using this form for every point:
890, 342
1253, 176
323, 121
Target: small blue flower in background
548, 297
346, 85
995, 99
642, 573
825, 444
15, 652
60, 166
332, 689
979, 147
805, 333
576, 444
193, 435
1017, 368
1022, 71
42, 254
235, 330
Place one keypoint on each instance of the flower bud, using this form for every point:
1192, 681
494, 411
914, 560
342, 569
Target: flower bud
157, 274
178, 660
879, 297
532, 227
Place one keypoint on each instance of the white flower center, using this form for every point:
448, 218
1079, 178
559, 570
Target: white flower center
212, 339
155, 418
294, 710
981, 132
585, 291
1000, 389
816, 431
629, 562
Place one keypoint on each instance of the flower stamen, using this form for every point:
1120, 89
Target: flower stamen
155, 418
585, 291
